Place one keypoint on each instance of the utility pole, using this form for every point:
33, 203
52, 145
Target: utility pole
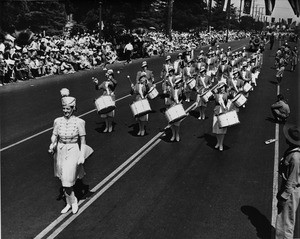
170, 13
228, 19
100, 20
240, 10
209, 14
256, 12
253, 8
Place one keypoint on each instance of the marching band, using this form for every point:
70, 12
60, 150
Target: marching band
224, 77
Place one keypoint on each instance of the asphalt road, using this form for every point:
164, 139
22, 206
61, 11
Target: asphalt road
141, 187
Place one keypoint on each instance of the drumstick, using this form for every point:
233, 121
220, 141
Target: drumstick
128, 77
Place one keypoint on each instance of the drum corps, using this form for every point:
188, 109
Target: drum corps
223, 78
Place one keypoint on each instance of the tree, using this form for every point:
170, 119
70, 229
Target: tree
247, 23
36, 15
219, 17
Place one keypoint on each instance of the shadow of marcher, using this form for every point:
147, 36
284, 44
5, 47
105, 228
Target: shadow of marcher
264, 229
274, 120
211, 141
194, 113
273, 82
135, 130
271, 119
81, 190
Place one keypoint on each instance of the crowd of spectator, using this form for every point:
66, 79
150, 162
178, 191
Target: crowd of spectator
45, 55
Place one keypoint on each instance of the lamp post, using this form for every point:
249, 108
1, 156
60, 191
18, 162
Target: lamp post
209, 5
228, 19
170, 13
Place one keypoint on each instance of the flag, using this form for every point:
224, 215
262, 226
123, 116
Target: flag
289, 20
269, 6
247, 6
273, 19
295, 4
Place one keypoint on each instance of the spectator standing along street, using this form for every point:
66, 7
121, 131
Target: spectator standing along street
128, 51
289, 193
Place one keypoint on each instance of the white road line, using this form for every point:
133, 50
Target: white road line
99, 185
85, 206
275, 172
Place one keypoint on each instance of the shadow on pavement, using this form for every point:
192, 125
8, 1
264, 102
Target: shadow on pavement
194, 113
212, 141
273, 82
264, 229
135, 130
81, 190
166, 137
274, 120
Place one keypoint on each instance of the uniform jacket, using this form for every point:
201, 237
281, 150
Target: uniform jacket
290, 171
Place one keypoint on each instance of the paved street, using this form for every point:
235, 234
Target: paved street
142, 187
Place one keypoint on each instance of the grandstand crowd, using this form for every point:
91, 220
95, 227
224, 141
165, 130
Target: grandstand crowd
49, 55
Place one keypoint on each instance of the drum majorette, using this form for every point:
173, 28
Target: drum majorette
105, 104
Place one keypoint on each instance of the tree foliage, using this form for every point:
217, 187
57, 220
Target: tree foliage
38, 16
51, 16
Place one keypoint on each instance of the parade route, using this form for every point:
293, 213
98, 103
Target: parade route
143, 187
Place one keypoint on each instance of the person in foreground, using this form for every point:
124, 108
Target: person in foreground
69, 149
289, 193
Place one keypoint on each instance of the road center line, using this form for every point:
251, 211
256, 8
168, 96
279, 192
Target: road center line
95, 197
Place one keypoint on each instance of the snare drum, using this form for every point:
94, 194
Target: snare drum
140, 108
239, 100
175, 113
105, 104
191, 83
206, 95
247, 87
152, 93
228, 119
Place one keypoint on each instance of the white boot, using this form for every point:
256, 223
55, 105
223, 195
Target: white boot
74, 203
66, 209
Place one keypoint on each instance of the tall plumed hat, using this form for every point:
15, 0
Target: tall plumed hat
68, 101
64, 92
